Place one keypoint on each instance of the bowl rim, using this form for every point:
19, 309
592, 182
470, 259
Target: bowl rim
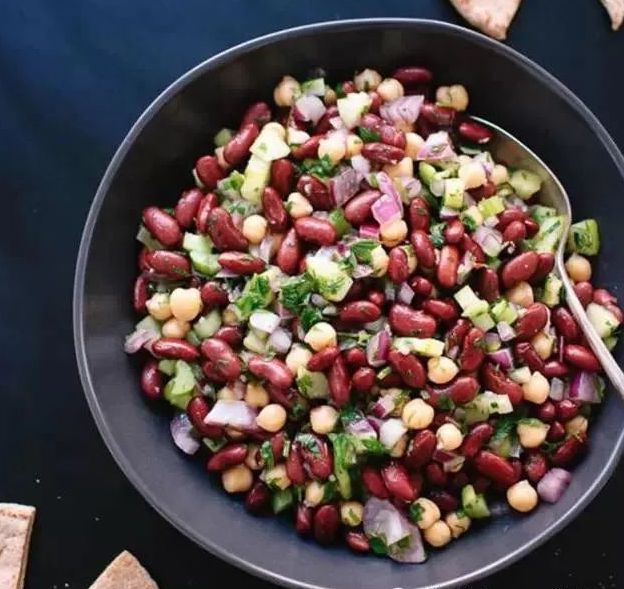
104, 185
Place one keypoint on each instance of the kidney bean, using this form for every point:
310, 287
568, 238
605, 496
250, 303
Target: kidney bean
420, 449
258, 497
358, 209
478, 436
546, 412
463, 389
360, 312
514, 232
230, 334
390, 135
162, 226
213, 295
409, 367
317, 231
454, 231
554, 368
371, 121
326, 522
412, 75
532, 322
196, 410
241, 263
545, 264
289, 253
442, 309
227, 457
357, 541
318, 463
274, 210
442, 116
421, 286
258, 112
566, 410
455, 336
581, 357
363, 379
208, 368
308, 149
519, 269
339, 382
487, 285
142, 259
470, 245
277, 441
444, 500
481, 484
484, 191
374, 483
423, 248
355, 292
274, 370
398, 269
397, 481
532, 227
406, 321
584, 292
616, 311
294, 465
322, 360
495, 467
472, 354
556, 432
509, 216
459, 481
225, 361
151, 380
237, 148
601, 296
526, 353
376, 297
475, 132
382, 153
282, 176
355, 357
224, 234
173, 347
140, 294
209, 202
316, 192
569, 450
565, 324
535, 466
170, 264
495, 381
303, 519
419, 216
208, 171
435, 475
324, 125
186, 208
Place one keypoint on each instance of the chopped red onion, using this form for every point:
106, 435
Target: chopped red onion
361, 428
281, 340
411, 186
284, 313
466, 266
405, 294
506, 331
182, 433
139, 339
453, 352
369, 231
232, 413
239, 389
383, 406
469, 201
553, 484
330, 310
375, 422
502, 357
343, 248
383, 520
404, 109
451, 461
490, 240
515, 202
491, 221
485, 159
437, 147
414, 552
266, 248
310, 108
389, 291
391, 431
447, 213
237, 219
492, 341
560, 346
375, 326
345, 185
585, 388
326, 252
386, 210
337, 123
377, 349
557, 389
264, 321
318, 301
361, 164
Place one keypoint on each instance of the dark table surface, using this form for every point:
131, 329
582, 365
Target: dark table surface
74, 75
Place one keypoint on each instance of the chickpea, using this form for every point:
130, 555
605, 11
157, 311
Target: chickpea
158, 306
230, 316
298, 205
438, 534
330, 97
531, 433
449, 437
320, 336
417, 414
543, 344
314, 493
521, 294
499, 174
405, 168
223, 164
578, 268
237, 479
276, 477
256, 395
252, 460
413, 144
276, 128
351, 513
272, 418
472, 174
254, 228
226, 394
367, 80
354, 145
399, 448
441, 370
389, 89
234, 434
379, 261
429, 513
393, 233
298, 356
287, 91
454, 96
323, 419
175, 328
185, 303
458, 523
522, 496
537, 389
334, 147
577, 425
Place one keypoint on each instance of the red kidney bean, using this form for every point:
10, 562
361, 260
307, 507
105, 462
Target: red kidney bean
546, 412
225, 361
470, 245
339, 383
282, 176
140, 294
406, 321
554, 368
397, 481
224, 234
526, 353
357, 541
412, 75
170, 264
213, 295
463, 389
209, 202
435, 475
420, 449
371, 121
488, 284
382, 153
421, 286
162, 226
187, 206
566, 410
602, 296
581, 357
273, 209
151, 380
535, 466
142, 259
326, 522
173, 347
358, 209
455, 336
241, 263
495, 467
355, 292
484, 191
308, 149
374, 483
398, 268
316, 192
514, 232
454, 231
237, 148
227, 457
303, 520
376, 101
616, 311
274, 370
258, 497
444, 500
478, 436
294, 465
318, 462
584, 291
495, 381
442, 116
376, 297
230, 334
532, 322
208, 171
475, 132
519, 269
317, 231
289, 253
324, 123
481, 484
360, 312
390, 135
556, 432
545, 264
565, 324
363, 379
472, 354
509, 216
423, 248
210, 372
569, 450
196, 410
323, 360
419, 216
409, 367
277, 441
258, 112
355, 357
459, 480
532, 227
442, 309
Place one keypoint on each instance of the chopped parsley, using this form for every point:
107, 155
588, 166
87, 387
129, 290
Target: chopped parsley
368, 135
296, 291
373, 446
416, 512
266, 452
437, 234
469, 223
309, 443
256, 295
309, 316
323, 167
445, 403
378, 545
339, 90
362, 249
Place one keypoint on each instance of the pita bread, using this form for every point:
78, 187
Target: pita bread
492, 17
125, 572
16, 522
615, 8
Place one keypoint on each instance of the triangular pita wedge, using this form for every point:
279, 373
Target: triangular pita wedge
16, 522
615, 8
492, 17
125, 572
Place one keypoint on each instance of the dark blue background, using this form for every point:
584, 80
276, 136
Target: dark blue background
74, 75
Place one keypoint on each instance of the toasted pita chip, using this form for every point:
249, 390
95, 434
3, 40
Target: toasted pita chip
16, 522
125, 572
615, 8
492, 17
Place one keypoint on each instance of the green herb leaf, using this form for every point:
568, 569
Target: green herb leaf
505, 426
368, 136
256, 295
378, 545
309, 442
362, 249
309, 316
266, 452
296, 291
322, 168
437, 234
416, 512
445, 403
339, 90
373, 446
469, 223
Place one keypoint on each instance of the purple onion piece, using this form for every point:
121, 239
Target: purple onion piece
405, 293
377, 349
502, 357
584, 388
553, 484
231, 413
182, 433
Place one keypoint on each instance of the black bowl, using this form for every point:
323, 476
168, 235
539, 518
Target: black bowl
153, 165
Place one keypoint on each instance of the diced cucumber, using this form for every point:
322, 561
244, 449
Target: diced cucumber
312, 385
193, 242
521, 375
148, 240
490, 207
541, 212
207, 264
551, 294
269, 146
352, 107
332, 282
454, 193
476, 309
503, 311
339, 221
473, 504
193, 338
428, 347
215, 444
426, 172
497, 403
525, 183
483, 321
466, 297
477, 410
230, 187
315, 86
207, 325
257, 175
223, 137
611, 342
254, 342
584, 237
167, 366
179, 390
549, 234
603, 321
148, 323
281, 500
504, 190
474, 215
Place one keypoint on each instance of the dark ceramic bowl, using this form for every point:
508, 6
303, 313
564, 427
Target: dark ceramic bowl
153, 165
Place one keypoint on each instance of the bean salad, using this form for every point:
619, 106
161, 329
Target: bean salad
354, 317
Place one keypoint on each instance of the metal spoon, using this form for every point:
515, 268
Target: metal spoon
514, 153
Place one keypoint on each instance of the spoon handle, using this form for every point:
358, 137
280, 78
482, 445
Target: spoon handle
612, 370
